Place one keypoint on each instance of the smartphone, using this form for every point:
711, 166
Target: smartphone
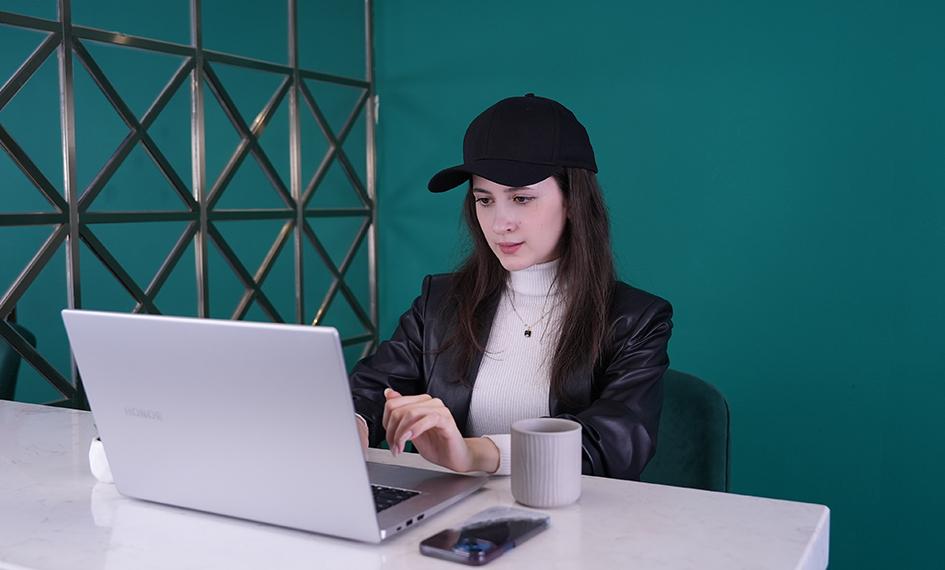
484, 537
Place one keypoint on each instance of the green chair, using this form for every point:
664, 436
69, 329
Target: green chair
694, 445
10, 362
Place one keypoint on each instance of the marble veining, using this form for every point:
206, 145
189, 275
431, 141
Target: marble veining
54, 514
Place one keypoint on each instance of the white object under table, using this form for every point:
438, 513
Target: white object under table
54, 515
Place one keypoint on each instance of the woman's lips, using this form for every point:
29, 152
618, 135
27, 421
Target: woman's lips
509, 248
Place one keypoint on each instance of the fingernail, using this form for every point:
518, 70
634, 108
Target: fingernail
387, 391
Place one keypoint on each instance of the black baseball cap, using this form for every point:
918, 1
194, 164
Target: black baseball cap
520, 141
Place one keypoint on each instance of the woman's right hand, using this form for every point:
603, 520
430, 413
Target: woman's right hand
428, 423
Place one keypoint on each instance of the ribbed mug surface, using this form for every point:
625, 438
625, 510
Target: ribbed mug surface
546, 462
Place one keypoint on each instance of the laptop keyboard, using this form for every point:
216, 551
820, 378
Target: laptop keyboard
386, 497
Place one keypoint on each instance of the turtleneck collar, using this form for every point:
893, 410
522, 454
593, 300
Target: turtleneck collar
535, 280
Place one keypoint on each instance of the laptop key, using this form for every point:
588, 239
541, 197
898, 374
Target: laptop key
386, 497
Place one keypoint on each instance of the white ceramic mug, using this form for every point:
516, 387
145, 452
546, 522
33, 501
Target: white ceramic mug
546, 462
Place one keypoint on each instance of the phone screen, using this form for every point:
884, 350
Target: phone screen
485, 536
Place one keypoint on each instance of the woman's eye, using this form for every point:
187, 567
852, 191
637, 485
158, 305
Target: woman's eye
484, 201
523, 199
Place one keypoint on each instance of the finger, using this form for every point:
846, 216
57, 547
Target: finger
400, 421
413, 421
403, 444
423, 425
398, 401
389, 394
402, 408
398, 438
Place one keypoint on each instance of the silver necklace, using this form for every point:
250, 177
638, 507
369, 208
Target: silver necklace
528, 327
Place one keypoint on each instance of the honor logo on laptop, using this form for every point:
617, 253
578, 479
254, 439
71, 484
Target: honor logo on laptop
144, 414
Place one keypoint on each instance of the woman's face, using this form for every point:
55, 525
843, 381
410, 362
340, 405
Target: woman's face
523, 226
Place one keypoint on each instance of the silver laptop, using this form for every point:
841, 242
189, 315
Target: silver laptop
250, 420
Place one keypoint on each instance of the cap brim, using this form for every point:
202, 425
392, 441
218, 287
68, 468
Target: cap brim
505, 172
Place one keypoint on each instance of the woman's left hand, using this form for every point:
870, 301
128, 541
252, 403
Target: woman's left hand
428, 423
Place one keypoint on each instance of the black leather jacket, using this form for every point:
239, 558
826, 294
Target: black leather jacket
622, 402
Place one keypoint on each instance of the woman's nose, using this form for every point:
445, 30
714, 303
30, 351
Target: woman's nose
504, 220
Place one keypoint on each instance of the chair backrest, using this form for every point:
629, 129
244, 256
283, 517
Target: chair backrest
693, 448
10, 362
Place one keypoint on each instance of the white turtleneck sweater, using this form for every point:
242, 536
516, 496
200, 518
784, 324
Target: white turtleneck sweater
514, 377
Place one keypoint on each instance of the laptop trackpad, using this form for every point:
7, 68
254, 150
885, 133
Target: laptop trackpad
426, 481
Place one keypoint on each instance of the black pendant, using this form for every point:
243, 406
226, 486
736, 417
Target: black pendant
528, 332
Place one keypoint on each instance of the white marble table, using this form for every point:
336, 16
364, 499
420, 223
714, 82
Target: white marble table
54, 515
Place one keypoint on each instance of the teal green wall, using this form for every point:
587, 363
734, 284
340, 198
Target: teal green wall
776, 170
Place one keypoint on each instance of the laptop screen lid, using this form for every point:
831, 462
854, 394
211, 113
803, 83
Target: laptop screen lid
251, 420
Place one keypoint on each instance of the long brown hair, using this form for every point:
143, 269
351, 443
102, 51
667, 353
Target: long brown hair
586, 276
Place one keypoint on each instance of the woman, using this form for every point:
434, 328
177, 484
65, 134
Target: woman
534, 323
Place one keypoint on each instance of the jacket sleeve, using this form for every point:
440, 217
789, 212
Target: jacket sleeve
621, 422
397, 364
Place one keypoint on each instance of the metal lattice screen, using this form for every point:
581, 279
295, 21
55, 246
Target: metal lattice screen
268, 215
